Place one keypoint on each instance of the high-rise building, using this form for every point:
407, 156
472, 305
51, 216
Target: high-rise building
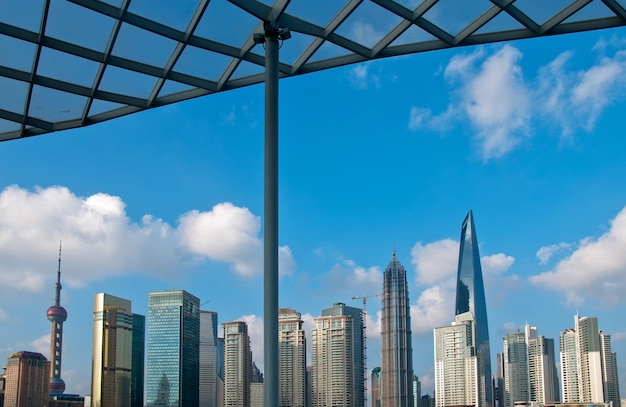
208, 359
138, 361
56, 315
291, 359
173, 344
456, 364
587, 371
332, 375
237, 364
357, 355
375, 387
27, 381
417, 391
529, 368
499, 382
397, 354
257, 387
112, 352
470, 297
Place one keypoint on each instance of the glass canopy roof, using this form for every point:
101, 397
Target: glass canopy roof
72, 63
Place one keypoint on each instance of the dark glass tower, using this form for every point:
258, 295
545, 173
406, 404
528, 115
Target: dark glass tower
139, 353
470, 297
397, 354
173, 347
56, 315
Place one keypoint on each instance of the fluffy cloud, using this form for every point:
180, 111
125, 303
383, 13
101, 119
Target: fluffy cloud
435, 261
362, 78
596, 269
41, 345
491, 91
544, 254
432, 309
96, 227
4, 316
496, 263
255, 331
349, 279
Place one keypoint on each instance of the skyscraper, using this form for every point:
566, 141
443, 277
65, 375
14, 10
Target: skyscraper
208, 359
291, 359
471, 323
112, 351
333, 375
27, 381
56, 315
138, 361
375, 387
397, 355
173, 349
237, 364
470, 296
609, 370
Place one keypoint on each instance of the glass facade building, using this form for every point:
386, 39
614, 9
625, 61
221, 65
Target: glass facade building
139, 357
172, 349
470, 297
397, 349
208, 359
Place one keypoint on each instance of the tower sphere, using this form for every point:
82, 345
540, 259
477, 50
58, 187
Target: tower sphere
57, 385
57, 313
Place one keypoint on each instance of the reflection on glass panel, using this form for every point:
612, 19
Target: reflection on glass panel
453, 16
329, 50
226, 23
320, 12
7, 125
13, 95
55, 106
292, 48
540, 10
171, 87
78, 25
67, 67
143, 46
247, 69
412, 35
116, 3
502, 22
22, 13
175, 14
16, 53
125, 82
593, 10
368, 24
201, 63
100, 106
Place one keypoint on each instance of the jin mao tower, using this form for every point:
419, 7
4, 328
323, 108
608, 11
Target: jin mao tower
56, 315
397, 354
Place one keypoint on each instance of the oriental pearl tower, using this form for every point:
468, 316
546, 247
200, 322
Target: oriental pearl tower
57, 315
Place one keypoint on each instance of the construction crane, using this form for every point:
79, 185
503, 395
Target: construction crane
364, 298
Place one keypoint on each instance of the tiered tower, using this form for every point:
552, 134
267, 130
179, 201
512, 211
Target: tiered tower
56, 315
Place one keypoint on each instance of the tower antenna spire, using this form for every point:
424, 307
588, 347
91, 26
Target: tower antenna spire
56, 315
58, 286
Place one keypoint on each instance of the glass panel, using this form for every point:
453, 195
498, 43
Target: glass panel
6, 126
16, 53
368, 24
54, 105
116, 3
69, 22
246, 68
144, 46
175, 14
593, 10
501, 22
540, 10
67, 67
319, 12
100, 106
223, 22
329, 50
125, 82
202, 63
22, 13
412, 36
13, 95
453, 16
292, 48
171, 87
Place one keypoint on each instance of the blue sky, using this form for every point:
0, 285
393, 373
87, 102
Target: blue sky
388, 154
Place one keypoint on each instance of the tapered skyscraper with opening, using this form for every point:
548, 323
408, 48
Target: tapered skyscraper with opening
470, 297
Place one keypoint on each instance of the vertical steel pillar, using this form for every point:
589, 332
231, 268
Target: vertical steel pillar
270, 312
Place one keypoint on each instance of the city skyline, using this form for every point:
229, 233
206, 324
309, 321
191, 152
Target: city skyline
130, 198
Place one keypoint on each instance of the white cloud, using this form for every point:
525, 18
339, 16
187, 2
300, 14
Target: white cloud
435, 261
255, 331
362, 78
544, 254
596, 269
4, 316
100, 240
496, 263
432, 309
364, 33
41, 345
351, 279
